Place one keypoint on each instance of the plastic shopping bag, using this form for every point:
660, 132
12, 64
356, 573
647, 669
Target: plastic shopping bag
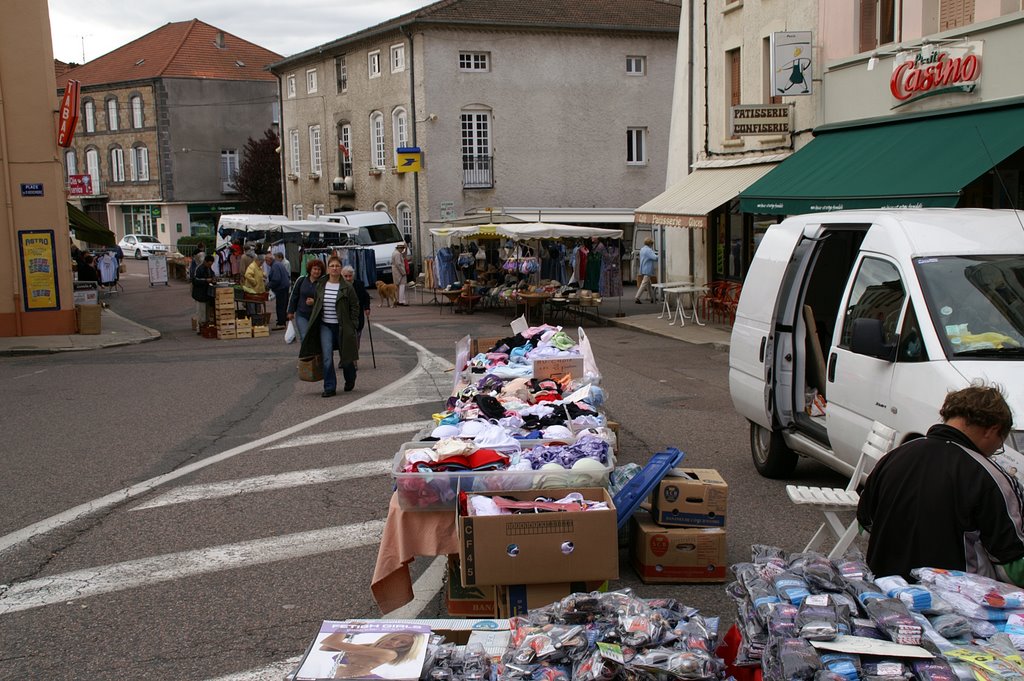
291, 334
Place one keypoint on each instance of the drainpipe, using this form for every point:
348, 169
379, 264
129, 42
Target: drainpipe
280, 146
689, 118
412, 117
9, 207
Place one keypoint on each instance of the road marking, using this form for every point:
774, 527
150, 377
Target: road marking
268, 483
419, 385
355, 434
89, 582
425, 588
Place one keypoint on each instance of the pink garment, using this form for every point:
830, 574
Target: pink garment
407, 535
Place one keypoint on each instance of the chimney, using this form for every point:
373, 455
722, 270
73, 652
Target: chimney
219, 42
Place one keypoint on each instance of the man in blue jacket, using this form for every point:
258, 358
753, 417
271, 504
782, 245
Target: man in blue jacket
648, 258
278, 281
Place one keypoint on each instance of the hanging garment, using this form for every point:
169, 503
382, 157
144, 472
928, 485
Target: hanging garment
611, 276
593, 270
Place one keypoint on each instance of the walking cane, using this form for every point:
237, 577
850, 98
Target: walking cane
369, 330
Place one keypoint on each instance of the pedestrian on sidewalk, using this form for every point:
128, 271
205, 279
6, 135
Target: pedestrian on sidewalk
278, 281
399, 272
202, 278
348, 273
300, 302
647, 260
332, 326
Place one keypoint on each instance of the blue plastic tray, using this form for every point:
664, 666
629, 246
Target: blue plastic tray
643, 483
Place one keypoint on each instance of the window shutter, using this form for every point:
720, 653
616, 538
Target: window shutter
735, 95
868, 21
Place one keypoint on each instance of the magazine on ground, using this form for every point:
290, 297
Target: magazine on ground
354, 649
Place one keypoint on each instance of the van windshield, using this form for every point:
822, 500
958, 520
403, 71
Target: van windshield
379, 234
976, 304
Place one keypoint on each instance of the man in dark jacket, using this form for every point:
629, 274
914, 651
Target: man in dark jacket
201, 281
940, 501
279, 281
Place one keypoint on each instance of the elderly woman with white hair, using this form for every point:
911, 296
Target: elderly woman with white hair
348, 273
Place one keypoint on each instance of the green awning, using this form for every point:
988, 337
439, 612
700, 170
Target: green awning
87, 229
914, 161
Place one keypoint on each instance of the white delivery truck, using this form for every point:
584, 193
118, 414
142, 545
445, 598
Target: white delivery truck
850, 317
376, 230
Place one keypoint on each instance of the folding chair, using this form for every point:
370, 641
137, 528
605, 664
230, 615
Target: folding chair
833, 500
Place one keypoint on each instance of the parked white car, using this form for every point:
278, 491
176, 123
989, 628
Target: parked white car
853, 317
142, 246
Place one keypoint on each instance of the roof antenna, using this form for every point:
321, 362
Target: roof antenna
995, 169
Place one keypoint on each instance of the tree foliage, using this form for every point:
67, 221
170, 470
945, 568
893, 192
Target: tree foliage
259, 175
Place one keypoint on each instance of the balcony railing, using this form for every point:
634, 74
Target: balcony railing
477, 172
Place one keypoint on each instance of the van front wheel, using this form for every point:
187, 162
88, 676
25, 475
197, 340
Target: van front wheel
772, 458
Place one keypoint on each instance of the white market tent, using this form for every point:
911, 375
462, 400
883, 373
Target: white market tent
280, 223
519, 231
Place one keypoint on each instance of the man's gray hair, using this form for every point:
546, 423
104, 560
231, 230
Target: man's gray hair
348, 268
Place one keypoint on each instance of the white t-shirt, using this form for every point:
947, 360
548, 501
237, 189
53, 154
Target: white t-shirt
331, 303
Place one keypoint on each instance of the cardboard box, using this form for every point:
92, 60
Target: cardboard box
88, 319
478, 345
540, 548
86, 293
678, 555
691, 497
467, 601
557, 367
518, 599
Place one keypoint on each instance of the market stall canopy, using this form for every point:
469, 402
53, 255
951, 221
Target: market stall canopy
280, 223
688, 202
89, 230
528, 230
252, 222
913, 161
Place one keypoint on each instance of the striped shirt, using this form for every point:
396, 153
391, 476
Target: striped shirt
331, 302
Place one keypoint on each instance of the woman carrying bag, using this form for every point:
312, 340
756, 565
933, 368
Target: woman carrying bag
300, 302
332, 325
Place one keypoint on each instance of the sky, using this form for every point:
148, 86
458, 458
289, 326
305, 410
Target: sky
283, 26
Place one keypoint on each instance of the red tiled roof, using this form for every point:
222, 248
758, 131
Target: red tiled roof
181, 49
659, 16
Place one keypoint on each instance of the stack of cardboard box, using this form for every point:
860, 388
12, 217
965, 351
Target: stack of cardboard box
509, 564
683, 540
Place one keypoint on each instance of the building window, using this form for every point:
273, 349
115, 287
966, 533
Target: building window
397, 58
318, 209
373, 63
341, 72
140, 163
90, 115
92, 164
476, 149
136, 102
636, 66
138, 220
474, 61
117, 164
400, 129
314, 150
294, 165
228, 170
297, 212
310, 81
290, 84
405, 219
952, 13
112, 114
377, 148
345, 150
636, 146
70, 163
732, 85
769, 97
877, 21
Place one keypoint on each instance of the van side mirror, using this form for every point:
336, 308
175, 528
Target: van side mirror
867, 337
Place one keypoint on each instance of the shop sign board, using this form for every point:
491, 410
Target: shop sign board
792, 72
668, 220
410, 160
38, 257
68, 114
447, 210
157, 269
934, 71
760, 119
80, 185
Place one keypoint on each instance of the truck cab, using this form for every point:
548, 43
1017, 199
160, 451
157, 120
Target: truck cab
377, 230
850, 317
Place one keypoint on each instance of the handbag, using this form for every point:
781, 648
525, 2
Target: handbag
311, 369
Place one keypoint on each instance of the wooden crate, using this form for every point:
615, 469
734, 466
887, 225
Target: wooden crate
226, 335
260, 331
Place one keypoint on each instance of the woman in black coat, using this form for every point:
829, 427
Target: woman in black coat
349, 275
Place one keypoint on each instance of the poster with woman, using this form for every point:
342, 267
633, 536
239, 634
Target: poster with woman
353, 649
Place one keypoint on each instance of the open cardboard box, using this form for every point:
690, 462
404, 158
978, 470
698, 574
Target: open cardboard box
540, 548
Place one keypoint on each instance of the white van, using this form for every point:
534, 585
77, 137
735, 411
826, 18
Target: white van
881, 313
376, 229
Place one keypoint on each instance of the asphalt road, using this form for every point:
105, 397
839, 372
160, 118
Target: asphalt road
186, 509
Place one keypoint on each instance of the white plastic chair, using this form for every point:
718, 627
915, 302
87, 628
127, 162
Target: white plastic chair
832, 500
